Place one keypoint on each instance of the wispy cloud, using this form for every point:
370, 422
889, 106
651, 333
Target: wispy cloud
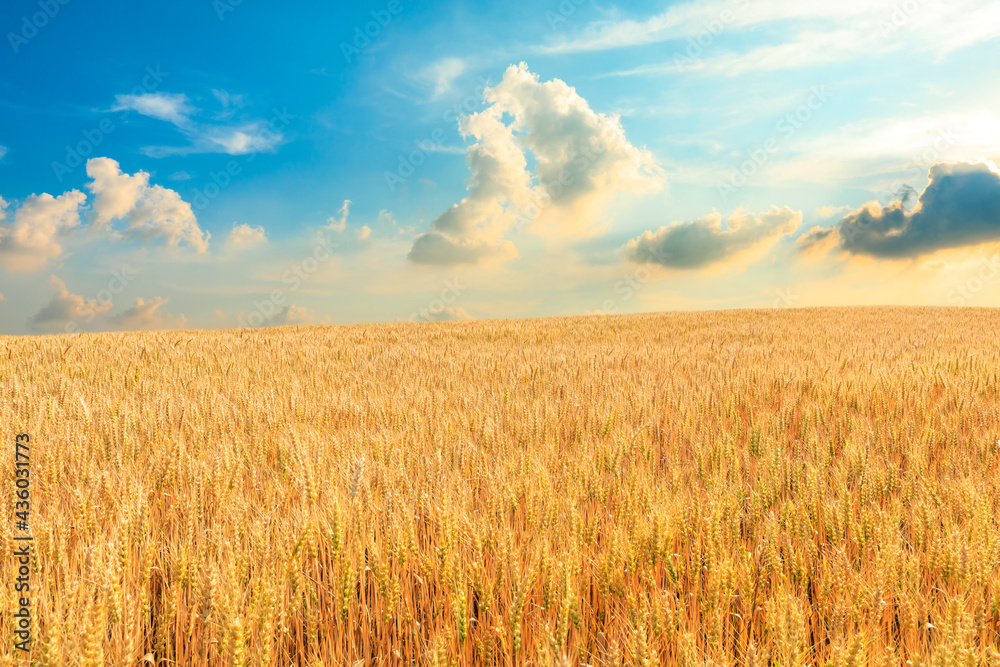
172, 107
232, 138
441, 75
808, 33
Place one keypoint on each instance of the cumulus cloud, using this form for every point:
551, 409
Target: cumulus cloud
151, 211
67, 312
582, 160
146, 315
115, 193
39, 224
244, 236
959, 207
363, 232
703, 242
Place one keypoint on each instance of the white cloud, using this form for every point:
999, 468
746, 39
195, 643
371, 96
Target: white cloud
67, 312
116, 193
244, 236
172, 107
807, 49
248, 136
229, 102
814, 32
151, 211
39, 223
582, 161
385, 217
148, 315
892, 150
442, 74
363, 232
3, 151
339, 224
692, 18
253, 137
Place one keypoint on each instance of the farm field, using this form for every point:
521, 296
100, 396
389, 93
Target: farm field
757, 487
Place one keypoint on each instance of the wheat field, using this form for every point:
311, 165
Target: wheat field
769, 487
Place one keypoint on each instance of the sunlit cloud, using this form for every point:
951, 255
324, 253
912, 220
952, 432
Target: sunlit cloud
582, 161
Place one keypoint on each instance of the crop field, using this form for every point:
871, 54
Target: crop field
758, 487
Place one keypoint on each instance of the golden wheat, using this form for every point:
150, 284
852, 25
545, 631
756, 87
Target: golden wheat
790, 487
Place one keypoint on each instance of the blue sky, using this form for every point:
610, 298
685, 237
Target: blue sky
189, 164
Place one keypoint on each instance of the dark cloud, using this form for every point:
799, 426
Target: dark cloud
701, 242
437, 248
959, 207
817, 239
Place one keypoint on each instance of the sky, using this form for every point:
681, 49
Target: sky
239, 163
